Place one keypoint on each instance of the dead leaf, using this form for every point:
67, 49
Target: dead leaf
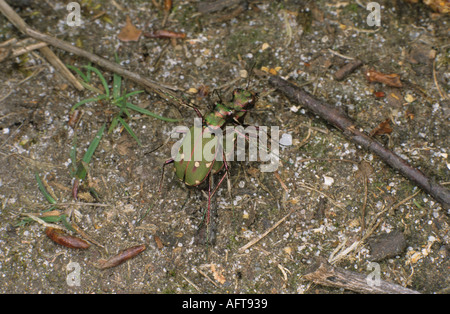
74, 117
438, 5
409, 98
409, 114
158, 241
129, 32
192, 90
202, 91
167, 5
162, 33
379, 94
253, 171
86, 196
383, 128
265, 46
283, 185
387, 79
218, 274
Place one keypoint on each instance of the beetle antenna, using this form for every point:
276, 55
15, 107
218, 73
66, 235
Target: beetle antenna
250, 74
218, 95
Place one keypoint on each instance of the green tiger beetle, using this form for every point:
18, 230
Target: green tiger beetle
191, 165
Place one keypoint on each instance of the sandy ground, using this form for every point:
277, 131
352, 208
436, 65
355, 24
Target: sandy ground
322, 186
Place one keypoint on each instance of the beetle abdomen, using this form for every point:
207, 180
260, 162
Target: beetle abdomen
197, 155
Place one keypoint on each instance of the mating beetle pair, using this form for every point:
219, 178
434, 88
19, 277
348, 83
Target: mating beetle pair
193, 171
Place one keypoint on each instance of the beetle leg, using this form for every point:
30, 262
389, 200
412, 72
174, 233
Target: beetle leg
199, 114
220, 182
223, 177
208, 213
210, 195
169, 161
210, 223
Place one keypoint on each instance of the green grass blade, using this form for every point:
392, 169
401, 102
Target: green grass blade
84, 101
100, 76
66, 223
49, 219
126, 112
41, 186
94, 194
129, 130
117, 83
91, 88
117, 80
78, 71
93, 146
140, 219
128, 95
149, 113
113, 124
133, 93
82, 170
26, 220
89, 73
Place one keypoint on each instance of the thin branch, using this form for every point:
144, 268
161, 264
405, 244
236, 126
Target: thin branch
443, 96
207, 277
23, 50
341, 121
325, 274
47, 52
160, 89
255, 240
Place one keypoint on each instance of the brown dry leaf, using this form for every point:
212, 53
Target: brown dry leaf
218, 274
253, 171
283, 185
383, 128
379, 94
86, 196
167, 5
192, 90
158, 241
163, 33
409, 115
387, 79
65, 239
440, 6
129, 32
202, 91
121, 257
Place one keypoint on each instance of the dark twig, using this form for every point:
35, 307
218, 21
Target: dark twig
46, 51
347, 69
160, 89
325, 274
341, 121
